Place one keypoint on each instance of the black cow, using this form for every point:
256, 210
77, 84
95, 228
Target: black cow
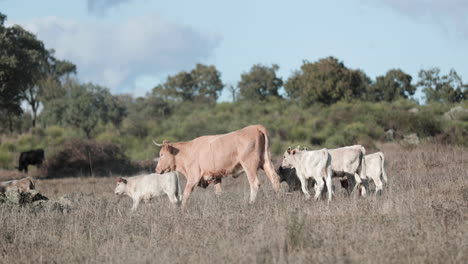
31, 157
289, 176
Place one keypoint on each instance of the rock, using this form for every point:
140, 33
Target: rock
411, 139
456, 113
31, 196
13, 196
16, 198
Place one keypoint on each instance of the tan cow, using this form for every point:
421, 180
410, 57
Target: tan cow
209, 158
23, 185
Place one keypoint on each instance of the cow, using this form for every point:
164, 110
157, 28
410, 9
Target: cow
289, 176
31, 157
375, 169
145, 187
23, 185
213, 157
349, 162
314, 165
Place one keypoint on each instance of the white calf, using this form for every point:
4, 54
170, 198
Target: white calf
310, 164
145, 187
375, 169
349, 162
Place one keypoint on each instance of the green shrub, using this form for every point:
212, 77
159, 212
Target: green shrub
6, 159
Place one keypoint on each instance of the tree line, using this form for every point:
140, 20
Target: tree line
31, 74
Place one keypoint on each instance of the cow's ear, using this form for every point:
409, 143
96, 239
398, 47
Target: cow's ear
289, 150
122, 180
173, 150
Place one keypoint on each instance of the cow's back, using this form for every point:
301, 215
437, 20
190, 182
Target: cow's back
221, 154
346, 158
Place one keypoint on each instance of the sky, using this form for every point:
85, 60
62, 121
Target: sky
130, 46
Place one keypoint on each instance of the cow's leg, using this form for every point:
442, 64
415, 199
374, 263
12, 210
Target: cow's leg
253, 181
188, 190
304, 186
363, 188
378, 185
271, 174
344, 184
136, 202
360, 184
328, 182
351, 183
358, 181
172, 197
319, 187
217, 185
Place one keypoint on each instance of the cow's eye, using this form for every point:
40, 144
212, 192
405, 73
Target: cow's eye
162, 155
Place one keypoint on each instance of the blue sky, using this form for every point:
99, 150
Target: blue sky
130, 46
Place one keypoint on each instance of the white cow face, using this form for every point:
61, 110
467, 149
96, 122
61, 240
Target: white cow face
121, 187
289, 158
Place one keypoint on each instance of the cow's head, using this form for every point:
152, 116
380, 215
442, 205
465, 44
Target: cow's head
121, 187
289, 158
166, 160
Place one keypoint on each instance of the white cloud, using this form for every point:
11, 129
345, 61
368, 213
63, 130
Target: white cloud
449, 14
116, 55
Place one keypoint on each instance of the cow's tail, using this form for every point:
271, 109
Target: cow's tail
362, 166
384, 174
268, 166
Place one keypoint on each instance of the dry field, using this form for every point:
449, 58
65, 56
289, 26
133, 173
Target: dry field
422, 217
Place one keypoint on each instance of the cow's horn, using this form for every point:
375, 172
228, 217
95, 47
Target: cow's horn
159, 145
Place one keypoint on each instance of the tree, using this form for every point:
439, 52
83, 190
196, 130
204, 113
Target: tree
393, 85
326, 81
201, 84
84, 106
260, 83
52, 72
25, 65
445, 89
20, 56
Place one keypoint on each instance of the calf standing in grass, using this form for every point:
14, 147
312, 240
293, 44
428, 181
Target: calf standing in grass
146, 187
349, 162
375, 169
310, 164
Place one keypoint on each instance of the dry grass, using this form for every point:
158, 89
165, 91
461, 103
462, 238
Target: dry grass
422, 217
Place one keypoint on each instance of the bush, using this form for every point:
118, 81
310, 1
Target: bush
88, 157
6, 160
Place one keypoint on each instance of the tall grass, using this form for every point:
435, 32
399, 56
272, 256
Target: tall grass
422, 217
